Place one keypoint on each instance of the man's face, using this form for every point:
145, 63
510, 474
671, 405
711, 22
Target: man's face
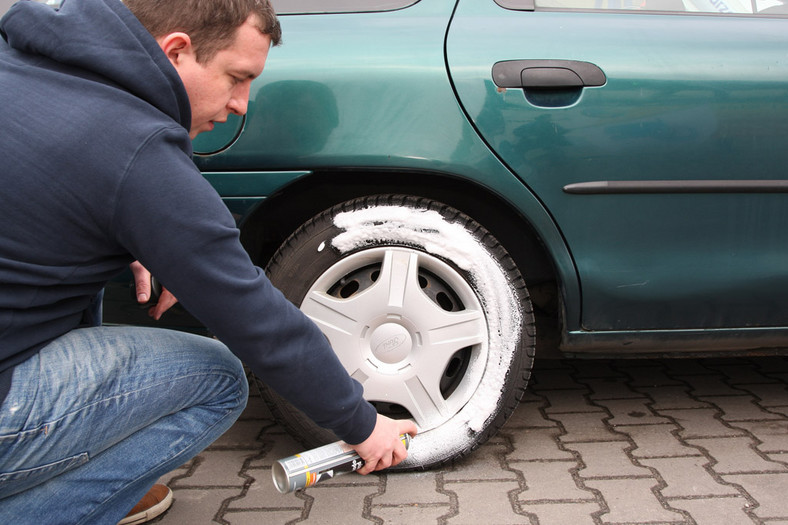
221, 85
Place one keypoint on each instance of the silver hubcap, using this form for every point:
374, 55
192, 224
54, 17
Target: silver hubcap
407, 326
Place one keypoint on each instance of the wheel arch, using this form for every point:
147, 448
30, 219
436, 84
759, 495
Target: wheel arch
264, 229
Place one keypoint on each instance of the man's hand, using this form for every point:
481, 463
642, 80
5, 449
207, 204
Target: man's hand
142, 283
383, 448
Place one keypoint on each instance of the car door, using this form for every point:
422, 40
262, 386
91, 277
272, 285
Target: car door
655, 134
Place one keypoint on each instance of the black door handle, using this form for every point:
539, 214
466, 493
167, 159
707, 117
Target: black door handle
544, 74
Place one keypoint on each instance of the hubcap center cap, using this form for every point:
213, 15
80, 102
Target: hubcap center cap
391, 343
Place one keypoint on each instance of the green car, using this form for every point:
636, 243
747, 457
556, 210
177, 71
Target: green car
451, 187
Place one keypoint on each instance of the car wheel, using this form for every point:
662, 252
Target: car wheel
424, 307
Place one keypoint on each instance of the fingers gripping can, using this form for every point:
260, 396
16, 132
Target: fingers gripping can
319, 464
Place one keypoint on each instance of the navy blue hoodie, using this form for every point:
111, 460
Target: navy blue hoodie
96, 171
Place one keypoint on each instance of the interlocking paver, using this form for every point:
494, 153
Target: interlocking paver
773, 435
551, 378
486, 463
334, 504
551, 481
657, 441
563, 401
198, 506
609, 388
736, 454
740, 408
768, 395
529, 414
671, 397
630, 500
595, 368
739, 372
586, 427
697, 423
219, 468
768, 490
770, 365
253, 517
782, 410
260, 504
631, 412
710, 385
607, 460
778, 456
480, 502
648, 374
714, 511
563, 513
688, 477
408, 514
537, 444
416, 488
687, 441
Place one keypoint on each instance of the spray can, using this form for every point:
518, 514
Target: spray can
313, 466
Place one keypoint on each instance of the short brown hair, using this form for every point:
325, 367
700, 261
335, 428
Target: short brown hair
210, 24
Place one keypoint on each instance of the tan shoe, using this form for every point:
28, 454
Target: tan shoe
154, 503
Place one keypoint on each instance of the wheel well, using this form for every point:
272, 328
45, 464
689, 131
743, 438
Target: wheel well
263, 231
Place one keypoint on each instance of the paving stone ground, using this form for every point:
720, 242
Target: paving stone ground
659, 442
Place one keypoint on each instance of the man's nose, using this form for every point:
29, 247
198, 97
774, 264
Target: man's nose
239, 102
238, 106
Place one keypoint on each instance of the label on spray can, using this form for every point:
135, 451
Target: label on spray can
313, 466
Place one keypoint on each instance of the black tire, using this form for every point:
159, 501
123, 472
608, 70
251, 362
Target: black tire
424, 307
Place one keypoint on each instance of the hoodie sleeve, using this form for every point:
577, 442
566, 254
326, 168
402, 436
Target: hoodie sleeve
170, 218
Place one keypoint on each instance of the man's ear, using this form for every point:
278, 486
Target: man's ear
176, 46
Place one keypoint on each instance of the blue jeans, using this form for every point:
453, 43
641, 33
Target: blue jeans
95, 418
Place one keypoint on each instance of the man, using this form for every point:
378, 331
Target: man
98, 102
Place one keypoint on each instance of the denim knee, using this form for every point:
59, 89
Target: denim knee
228, 371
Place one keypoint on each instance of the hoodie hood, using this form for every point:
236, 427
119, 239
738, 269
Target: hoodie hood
105, 38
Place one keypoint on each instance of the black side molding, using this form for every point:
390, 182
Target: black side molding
606, 187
